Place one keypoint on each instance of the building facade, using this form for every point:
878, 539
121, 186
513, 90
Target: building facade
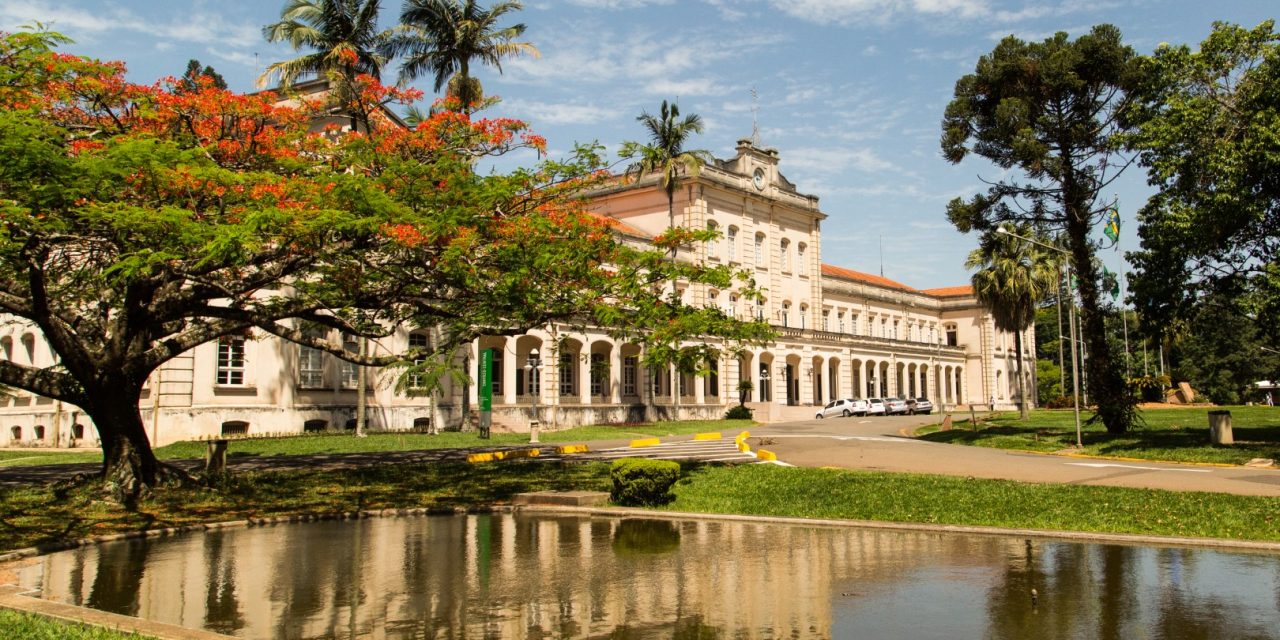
842, 333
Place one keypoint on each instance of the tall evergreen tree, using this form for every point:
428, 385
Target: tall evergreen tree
1051, 110
190, 80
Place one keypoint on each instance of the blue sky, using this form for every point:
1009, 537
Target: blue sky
851, 92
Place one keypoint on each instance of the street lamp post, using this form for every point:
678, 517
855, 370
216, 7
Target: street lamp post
1071, 314
534, 366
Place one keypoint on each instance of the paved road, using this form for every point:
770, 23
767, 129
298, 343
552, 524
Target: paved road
878, 443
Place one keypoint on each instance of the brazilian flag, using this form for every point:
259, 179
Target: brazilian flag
1112, 228
1111, 283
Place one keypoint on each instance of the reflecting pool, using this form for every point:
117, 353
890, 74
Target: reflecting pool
544, 576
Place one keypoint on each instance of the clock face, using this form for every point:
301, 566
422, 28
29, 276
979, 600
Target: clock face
757, 178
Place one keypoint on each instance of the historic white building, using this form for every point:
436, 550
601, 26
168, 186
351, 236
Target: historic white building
842, 333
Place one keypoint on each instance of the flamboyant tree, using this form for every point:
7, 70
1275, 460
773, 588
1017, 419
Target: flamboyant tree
1050, 111
137, 222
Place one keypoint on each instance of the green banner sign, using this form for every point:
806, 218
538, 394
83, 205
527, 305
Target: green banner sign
486, 380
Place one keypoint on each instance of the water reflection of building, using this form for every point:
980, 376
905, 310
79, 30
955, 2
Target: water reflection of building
508, 576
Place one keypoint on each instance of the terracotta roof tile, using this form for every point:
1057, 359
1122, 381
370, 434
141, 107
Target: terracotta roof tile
850, 274
946, 292
621, 226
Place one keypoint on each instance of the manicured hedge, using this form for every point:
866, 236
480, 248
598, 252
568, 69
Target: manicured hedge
643, 483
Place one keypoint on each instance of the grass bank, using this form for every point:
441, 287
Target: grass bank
767, 490
1174, 435
37, 515
322, 443
16, 625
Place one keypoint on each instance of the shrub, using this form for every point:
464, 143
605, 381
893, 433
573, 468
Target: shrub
642, 483
1061, 402
738, 413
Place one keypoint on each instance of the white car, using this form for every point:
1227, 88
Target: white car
875, 406
843, 407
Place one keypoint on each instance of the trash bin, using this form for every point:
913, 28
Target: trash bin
1220, 427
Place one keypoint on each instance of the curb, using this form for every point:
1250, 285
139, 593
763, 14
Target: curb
714, 435
645, 442
492, 456
1052, 534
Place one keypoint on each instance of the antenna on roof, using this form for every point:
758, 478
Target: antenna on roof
755, 118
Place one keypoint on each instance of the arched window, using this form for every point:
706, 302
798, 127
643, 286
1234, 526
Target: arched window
599, 374
731, 242
804, 316
39, 432
77, 431
786, 314
760, 304
568, 377
760, 262
732, 308
235, 428
29, 345
802, 265
15, 434
6, 348
711, 244
784, 248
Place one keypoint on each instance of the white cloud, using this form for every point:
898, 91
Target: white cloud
544, 113
690, 87
839, 160
197, 26
617, 4
849, 12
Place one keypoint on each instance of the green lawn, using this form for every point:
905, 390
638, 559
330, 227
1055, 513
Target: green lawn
898, 497
383, 441
1176, 435
16, 625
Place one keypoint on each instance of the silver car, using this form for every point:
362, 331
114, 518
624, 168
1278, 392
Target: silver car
895, 406
844, 407
919, 405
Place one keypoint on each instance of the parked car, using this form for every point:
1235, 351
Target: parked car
919, 405
875, 406
895, 406
842, 407
860, 407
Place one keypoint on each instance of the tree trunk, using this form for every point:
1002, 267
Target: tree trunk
1104, 383
129, 466
1023, 413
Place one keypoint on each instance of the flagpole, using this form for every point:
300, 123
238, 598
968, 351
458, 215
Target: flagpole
1124, 315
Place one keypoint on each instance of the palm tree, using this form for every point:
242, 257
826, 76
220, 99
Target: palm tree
343, 38
1012, 277
442, 37
665, 152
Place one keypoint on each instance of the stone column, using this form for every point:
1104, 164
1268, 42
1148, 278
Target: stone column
510, 369
615, 374
584, 372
